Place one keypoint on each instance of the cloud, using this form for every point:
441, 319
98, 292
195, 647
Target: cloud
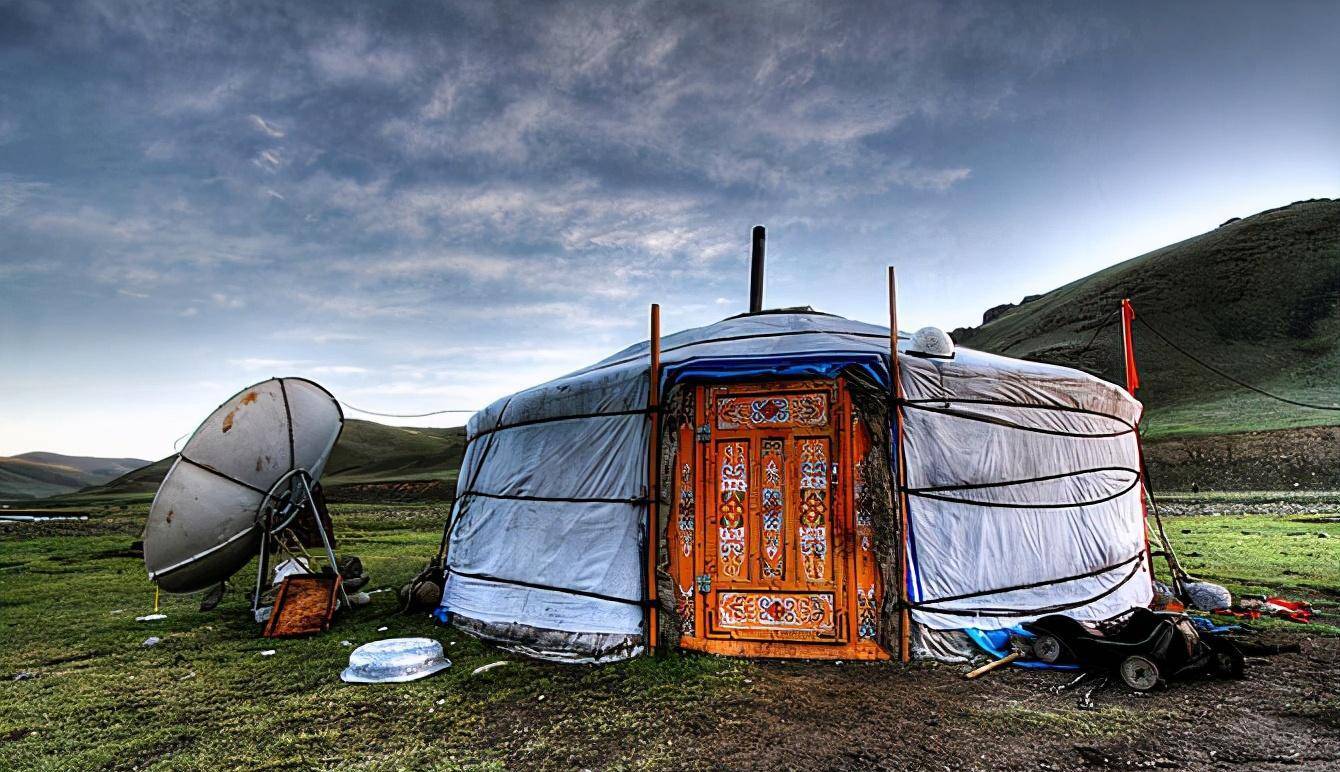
269, 160
351, 53
224, 300
261, 363
337, 370
265, 127
295, 365
15, 192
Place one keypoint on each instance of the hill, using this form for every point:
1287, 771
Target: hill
38, 475
369, 460
1258, 297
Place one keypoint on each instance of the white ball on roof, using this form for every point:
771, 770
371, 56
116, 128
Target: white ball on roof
931, 342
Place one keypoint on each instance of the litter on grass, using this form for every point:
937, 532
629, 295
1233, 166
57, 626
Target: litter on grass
488, 667
395, 660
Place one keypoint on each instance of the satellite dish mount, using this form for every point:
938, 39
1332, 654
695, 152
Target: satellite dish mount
285, 503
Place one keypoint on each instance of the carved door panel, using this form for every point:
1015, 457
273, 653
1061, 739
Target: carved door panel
764, 548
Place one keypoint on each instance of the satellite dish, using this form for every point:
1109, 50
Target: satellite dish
245, 474
931, 342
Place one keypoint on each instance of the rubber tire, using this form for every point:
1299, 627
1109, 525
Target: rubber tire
1228, 662
1140, 673
1055, 650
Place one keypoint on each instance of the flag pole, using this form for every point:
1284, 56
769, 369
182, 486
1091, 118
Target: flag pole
1128, 346
653, 476
904, 616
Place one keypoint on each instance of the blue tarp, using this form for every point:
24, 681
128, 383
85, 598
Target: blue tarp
997, 644
827, 364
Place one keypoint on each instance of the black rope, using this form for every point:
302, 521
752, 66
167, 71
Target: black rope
1024, 405
1099, 329
1136, 559
555, 499
920, 493
550, 587
452, 519
1020, 427
1043, 478
1228, 377
533, 421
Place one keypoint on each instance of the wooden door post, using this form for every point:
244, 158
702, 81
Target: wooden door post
653, 473
904, 616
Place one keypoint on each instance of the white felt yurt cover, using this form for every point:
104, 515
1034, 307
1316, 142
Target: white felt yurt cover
1022, 482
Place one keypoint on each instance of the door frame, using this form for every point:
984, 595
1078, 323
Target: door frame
856, 610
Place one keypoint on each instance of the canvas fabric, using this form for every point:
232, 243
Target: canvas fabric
547, 530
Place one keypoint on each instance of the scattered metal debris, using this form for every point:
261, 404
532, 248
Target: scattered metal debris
395, 660
488, 667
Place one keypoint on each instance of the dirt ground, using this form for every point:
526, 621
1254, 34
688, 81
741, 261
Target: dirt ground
789, 715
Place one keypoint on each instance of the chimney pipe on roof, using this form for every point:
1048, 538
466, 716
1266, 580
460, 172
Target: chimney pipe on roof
756, 271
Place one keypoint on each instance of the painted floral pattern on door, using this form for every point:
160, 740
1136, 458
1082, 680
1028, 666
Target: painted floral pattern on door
686, 510
730, 512
773, 508
792, 410
769, 610
813, 527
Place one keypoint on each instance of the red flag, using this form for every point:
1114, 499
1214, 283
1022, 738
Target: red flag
1128, 345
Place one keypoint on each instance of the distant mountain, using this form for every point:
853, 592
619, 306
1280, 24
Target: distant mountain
38, 475
369, 460
1258, 297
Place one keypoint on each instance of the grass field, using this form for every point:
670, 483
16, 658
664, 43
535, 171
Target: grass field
81, 692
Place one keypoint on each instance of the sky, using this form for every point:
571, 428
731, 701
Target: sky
427, 206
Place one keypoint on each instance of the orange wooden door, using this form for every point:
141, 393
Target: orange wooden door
766, 553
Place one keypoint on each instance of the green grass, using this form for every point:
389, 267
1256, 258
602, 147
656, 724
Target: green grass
1263, 555
204, 698
1241, 411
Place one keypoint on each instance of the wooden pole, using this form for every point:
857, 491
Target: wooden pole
988, 667
653, 473
904, 616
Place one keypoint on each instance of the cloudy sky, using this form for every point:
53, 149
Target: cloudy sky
428, 206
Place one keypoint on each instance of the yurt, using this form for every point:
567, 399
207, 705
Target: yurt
778, 485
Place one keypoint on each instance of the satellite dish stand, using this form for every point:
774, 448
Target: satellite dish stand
283, 504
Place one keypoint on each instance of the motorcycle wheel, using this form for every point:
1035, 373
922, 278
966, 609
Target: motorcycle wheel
1139, 673
1228, 661
1048, 648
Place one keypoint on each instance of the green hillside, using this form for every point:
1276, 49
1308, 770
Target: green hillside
38, 475
1258, 297
371, 457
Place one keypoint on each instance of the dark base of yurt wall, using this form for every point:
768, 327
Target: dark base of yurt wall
949, 646
552, 645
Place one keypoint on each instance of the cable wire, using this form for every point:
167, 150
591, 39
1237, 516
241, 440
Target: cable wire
1228, 377
402, 415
